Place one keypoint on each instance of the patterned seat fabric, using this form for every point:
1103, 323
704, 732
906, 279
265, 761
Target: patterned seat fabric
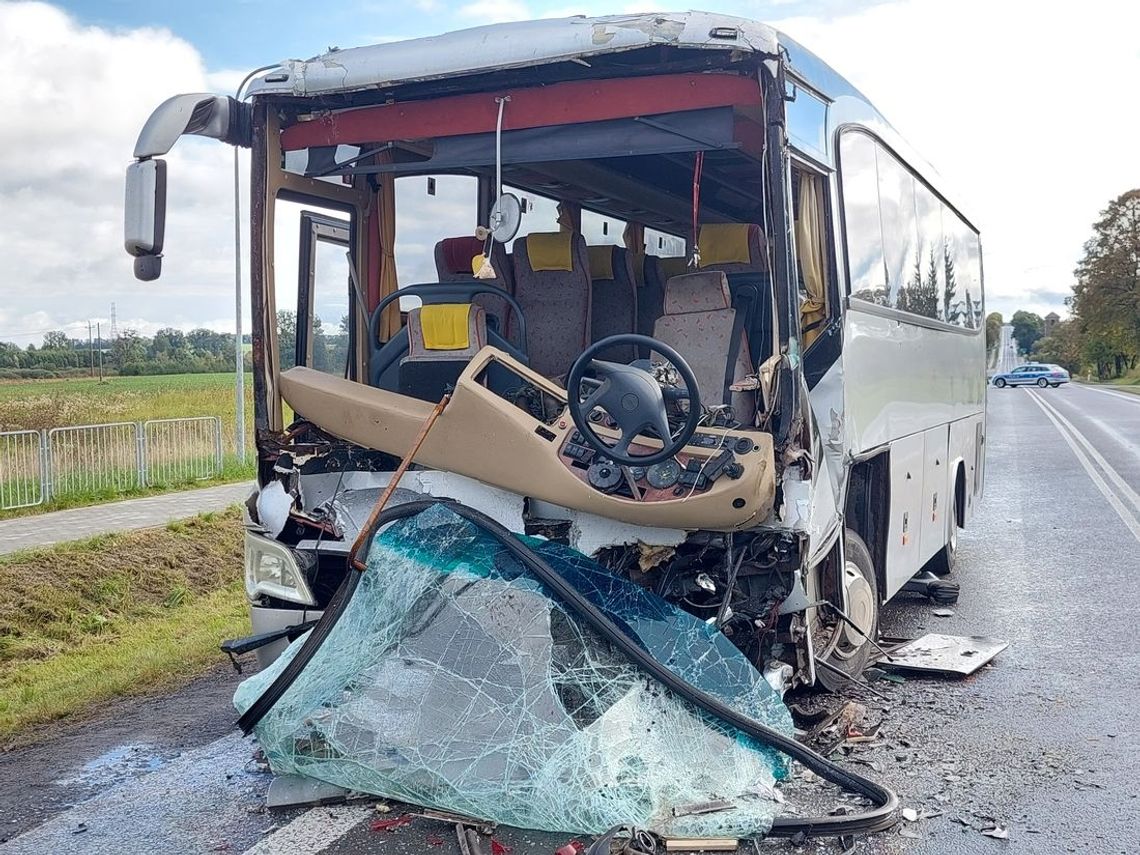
556, 304
701, 325
453, 264
614, 298
651, 294
426, 373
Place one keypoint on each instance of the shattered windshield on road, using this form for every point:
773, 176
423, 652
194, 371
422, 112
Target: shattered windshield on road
455, 680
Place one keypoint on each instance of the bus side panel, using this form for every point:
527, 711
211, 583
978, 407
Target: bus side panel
904, 534
937, 492
901, 378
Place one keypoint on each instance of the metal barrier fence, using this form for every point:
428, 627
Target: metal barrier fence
94, 458
107, 458
23, 459
180, 450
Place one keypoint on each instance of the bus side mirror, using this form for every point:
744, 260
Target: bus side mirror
145, 216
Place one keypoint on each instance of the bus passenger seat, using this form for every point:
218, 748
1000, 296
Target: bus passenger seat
613, 305
442, 339
733, 248
454, 262
552, 285
651, 294
700, 324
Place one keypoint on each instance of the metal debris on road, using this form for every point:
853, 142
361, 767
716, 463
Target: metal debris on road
910, 814
943, 612
945, 654
999, 832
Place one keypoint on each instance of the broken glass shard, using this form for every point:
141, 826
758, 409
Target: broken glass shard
455, 680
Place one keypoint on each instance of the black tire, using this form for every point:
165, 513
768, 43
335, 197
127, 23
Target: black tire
1042, 382
843, 654
1055, 385
1000, 382
944, 561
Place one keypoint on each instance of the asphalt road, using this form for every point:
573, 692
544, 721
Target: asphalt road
1042, 744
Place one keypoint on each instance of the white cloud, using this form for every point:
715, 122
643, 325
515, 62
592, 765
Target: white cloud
74, 100
1022, 111
495, 11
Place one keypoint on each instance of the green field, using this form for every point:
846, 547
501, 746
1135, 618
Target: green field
40, 404
46, 404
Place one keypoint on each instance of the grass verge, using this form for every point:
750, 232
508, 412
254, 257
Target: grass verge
119, 614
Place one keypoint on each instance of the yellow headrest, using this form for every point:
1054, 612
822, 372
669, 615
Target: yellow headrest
601, 261
673, 266
550, 250
446, 326
724, 243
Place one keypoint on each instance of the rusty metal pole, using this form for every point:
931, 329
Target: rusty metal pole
362, 535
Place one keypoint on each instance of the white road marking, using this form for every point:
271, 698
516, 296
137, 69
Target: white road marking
1123, 486
312, 831
1127, 396
1060, 422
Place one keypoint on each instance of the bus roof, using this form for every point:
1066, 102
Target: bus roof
511, 45
522, 44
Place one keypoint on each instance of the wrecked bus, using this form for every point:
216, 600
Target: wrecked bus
693, 307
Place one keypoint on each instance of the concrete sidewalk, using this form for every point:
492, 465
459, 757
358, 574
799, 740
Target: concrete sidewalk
58, 526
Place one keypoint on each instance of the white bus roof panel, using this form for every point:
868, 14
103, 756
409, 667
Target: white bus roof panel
511, 45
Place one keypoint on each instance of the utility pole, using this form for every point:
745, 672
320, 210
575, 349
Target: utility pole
99, 335
91, 349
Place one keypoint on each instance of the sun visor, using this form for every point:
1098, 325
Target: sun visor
692, 130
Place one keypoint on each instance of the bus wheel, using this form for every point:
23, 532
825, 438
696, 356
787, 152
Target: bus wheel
848, 650
1000, 383
942, 564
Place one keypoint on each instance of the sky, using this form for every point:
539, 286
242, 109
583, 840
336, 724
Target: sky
1026, 115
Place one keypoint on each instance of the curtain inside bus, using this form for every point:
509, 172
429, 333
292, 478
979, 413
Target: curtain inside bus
813, 311
383, 209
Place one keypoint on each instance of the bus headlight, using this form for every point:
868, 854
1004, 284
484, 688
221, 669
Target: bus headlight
272, 569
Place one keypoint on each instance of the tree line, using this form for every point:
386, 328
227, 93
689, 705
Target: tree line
168, 351
1102, 334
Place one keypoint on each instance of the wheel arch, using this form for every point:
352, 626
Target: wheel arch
867, 508
960, 493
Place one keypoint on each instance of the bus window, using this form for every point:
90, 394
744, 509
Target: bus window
807, 122
312, 290
963, 276
600, 230
900, 230
540, 214
330, 301
924, 291
663, 244
931, 257
867, 278
423, 218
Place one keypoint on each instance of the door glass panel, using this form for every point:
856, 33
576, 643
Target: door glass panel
331, 307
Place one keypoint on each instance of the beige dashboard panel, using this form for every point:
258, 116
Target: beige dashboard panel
482, 436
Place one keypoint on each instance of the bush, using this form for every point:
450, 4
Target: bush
27, 374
